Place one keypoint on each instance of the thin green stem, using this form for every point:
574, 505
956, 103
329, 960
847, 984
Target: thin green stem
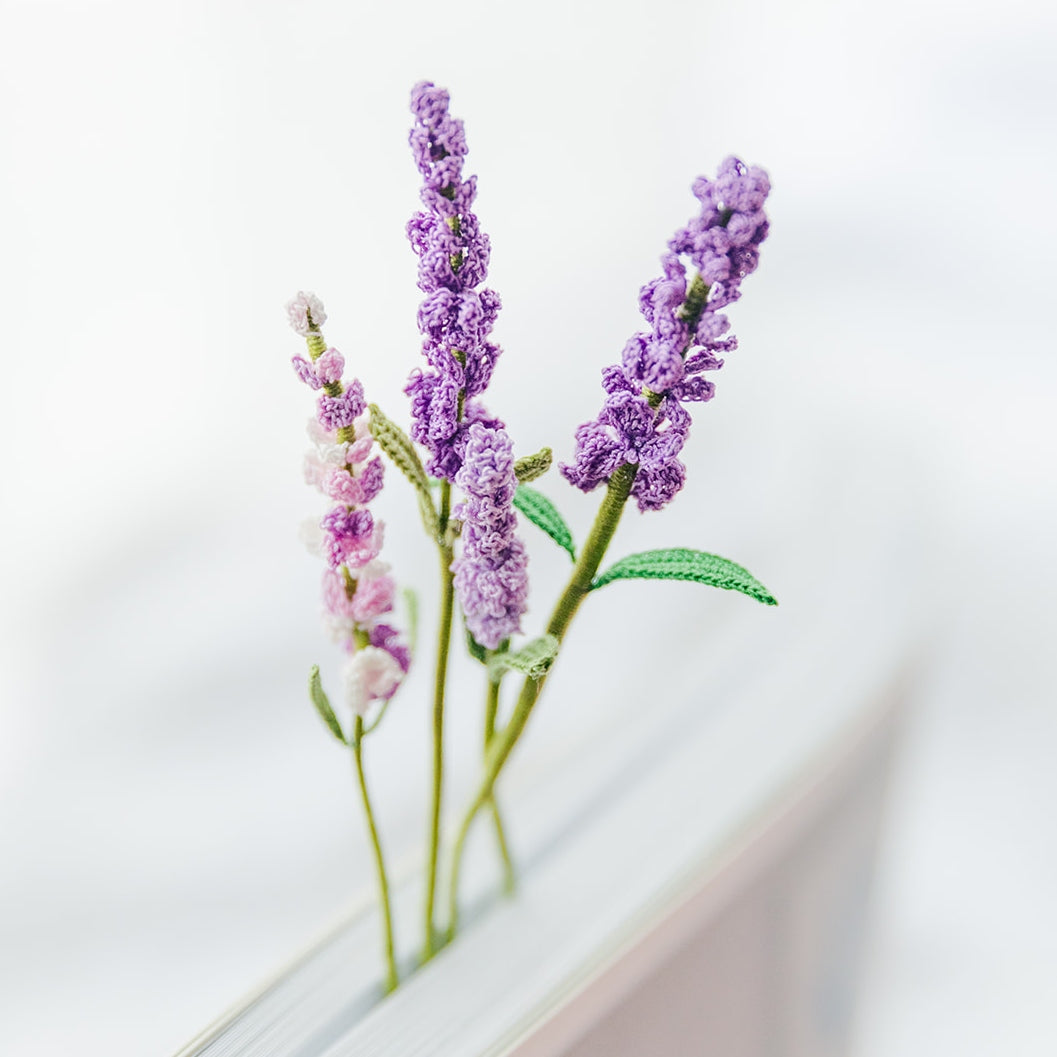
509, 875
445, 505
490, 712
491, 709
447, 607
579, 584
392, 978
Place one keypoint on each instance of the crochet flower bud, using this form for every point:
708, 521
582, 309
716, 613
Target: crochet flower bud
370, 674
305, 312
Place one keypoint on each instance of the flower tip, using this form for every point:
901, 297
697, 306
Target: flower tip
428, 102
305, 312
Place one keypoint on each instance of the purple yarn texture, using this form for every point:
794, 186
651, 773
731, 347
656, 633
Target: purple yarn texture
387, 638
456, 317
491, 575
339, 412
643, 420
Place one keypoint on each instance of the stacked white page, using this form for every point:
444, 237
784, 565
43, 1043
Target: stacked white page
685, 801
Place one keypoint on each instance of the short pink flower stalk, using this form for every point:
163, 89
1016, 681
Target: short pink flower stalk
357, 587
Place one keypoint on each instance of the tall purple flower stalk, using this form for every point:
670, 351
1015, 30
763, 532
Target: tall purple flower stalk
456, 317
491, 576
643, 421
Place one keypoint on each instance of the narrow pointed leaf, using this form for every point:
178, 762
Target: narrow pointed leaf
322, 703
544, 514
397, 445
680, 563
475, 649
533, 659
529, 467
429, 513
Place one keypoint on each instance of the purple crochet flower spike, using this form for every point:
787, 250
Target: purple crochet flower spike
455, 317
643, 421
491, 575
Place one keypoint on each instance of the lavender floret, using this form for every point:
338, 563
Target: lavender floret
491, 575
388, 638
339, 412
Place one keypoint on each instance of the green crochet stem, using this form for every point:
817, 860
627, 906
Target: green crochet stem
316, 345
447, 607
491, 709
579, 585
391, 976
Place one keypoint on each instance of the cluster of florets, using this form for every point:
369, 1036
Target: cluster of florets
491, 575
643, 421
357, 588
455, 317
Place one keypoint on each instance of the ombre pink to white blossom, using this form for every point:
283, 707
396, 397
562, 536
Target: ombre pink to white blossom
338, 453
330, 367
354, 551
357, 587
320, 436
357, 552
371, 598
360, 600
337, 472
351, 538
336, 598
375, 592
357, 486
371, 674
306, 311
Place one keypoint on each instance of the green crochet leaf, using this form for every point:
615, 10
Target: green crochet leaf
322, 703
529, 467
397, 445
544, 514
475, 649
680, 563
533, 659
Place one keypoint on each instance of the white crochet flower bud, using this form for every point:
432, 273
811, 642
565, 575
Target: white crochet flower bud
371, 674
305, 311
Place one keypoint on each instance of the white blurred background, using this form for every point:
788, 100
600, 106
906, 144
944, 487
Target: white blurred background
173, 825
